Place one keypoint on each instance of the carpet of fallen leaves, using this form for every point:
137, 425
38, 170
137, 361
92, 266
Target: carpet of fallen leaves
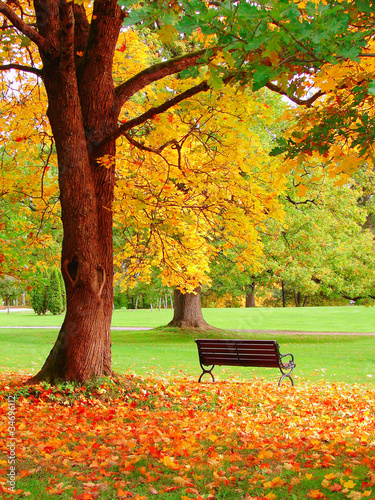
144, 438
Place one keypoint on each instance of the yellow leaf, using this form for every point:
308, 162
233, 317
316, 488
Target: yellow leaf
169, 462
167, 33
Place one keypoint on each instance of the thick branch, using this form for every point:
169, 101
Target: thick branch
81, 28
102, 37
21, 26
66, 36
20, 67
302, 102
153, 74
202, 87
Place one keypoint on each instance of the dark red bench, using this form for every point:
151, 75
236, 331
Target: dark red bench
233, 352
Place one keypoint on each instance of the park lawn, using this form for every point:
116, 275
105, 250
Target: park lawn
171, 438
359, 319
166, 351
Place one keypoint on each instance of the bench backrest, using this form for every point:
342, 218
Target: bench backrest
232, 352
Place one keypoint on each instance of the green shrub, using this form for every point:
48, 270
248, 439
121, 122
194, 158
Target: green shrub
39, 294
54, 293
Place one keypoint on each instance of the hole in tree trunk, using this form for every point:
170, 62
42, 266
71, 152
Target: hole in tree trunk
72, 268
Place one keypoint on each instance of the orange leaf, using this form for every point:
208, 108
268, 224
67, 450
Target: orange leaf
124, 494
335, 487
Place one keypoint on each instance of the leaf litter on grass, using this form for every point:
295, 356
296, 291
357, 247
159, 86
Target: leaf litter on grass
155, 437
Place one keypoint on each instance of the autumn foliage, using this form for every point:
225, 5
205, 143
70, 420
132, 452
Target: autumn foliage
141, 438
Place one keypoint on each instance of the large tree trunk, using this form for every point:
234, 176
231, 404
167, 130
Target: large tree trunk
188, 311
80, 113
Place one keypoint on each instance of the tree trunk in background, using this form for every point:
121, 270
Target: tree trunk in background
250, 295
283, 293
188, 311
297, 298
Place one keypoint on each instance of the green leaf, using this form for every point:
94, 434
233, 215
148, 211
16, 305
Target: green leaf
25, 42
371, 88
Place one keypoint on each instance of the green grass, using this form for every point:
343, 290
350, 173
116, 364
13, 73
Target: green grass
170, 351
314, 319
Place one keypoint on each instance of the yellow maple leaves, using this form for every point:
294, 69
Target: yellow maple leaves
198, 183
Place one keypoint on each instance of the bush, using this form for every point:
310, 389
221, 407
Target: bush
39, 294
55, 302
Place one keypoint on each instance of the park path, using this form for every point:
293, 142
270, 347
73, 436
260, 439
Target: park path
297, 332
143, 328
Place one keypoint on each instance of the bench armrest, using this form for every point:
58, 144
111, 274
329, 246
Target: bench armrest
290, 361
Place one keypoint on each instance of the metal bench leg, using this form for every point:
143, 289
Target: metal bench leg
284, 375
207, 371
282, 378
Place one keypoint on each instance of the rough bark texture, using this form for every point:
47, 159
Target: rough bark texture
188, 311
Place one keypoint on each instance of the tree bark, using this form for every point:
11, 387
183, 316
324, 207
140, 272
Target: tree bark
297, 298
188, 311
250, 295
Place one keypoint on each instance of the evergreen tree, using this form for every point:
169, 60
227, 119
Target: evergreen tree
39, 294
63, 291
54, 294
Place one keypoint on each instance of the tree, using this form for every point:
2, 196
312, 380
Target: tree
9, 289
70, 48
322, 247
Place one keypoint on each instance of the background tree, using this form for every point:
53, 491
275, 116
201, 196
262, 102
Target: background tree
323, 248
9, 289
209, 190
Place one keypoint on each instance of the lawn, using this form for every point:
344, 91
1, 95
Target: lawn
313, 319
349, 358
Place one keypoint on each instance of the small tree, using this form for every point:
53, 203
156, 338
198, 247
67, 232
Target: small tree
9, 289
54, 294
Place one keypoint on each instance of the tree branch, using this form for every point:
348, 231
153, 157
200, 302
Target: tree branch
296, 203
21, 26
154, 73
102, 36
20, 67
66, 36
202, 87
302, 102
143, 147
81, 28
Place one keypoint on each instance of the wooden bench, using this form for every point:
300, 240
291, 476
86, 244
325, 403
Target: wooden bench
235, 352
